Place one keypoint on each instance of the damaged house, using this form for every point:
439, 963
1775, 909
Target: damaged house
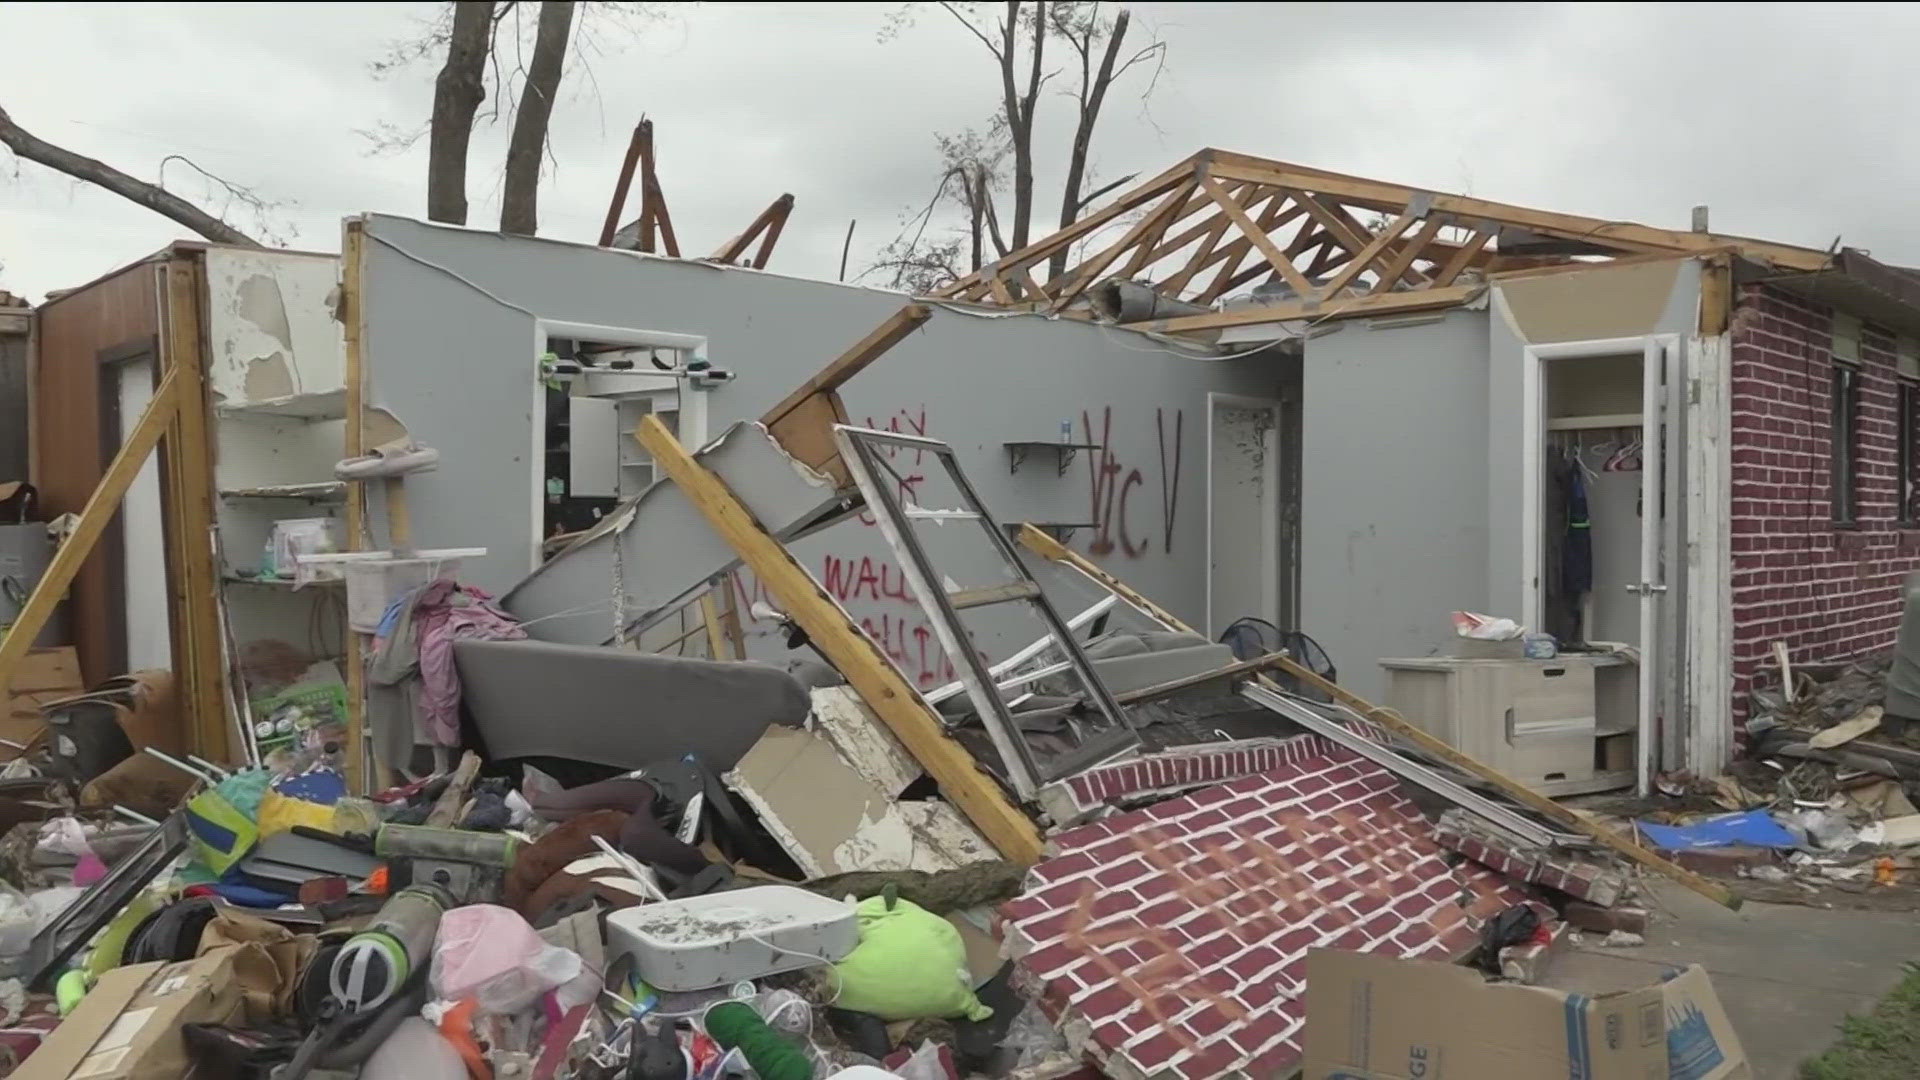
986, 545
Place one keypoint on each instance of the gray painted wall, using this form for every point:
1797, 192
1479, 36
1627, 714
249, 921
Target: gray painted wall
449, 347
1394, 509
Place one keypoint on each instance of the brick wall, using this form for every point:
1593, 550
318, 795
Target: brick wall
1829, 593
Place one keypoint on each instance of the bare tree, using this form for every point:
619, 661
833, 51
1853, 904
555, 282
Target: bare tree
457, 94
1084, 26
491, 59
524, 151
1015, 34
152, 196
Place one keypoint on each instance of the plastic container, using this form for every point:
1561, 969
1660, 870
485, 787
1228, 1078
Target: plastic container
375, 579
722, 938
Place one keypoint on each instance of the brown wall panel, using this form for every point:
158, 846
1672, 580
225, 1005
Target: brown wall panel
73, 330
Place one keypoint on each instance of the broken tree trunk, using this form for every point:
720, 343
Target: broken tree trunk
521, 188
457, 93
99, 173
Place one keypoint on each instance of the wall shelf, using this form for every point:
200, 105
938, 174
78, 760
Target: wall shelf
1595, 422
234, 577
325, 405
328, 491
1063, 453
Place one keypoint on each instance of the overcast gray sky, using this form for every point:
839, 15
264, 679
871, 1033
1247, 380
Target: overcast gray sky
1791, 121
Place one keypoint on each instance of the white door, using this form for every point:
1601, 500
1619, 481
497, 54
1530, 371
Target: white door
143, 547
1243, 510
1659, 353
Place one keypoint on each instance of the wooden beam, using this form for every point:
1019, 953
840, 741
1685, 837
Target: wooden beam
710, 622
854, 360
1047, 547
1281, 210
833, 632
1259, 238
1338, 225
649, 186
200, 665
100, 509
1348, 307
774, 229
1716, 295
1462, 258
1149, 226
620, 188
1397, 267
1628, 235
1367, 253
363, 775
1039, 250
734, 248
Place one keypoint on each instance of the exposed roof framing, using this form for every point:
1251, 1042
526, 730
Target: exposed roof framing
1326, 244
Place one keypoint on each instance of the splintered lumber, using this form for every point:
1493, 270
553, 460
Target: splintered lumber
833, 632
803, 421
100, 509
1048, 548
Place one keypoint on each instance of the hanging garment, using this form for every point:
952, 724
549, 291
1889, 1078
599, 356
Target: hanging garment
1576, 563
444, 613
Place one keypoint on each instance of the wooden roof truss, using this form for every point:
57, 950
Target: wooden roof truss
1325, 245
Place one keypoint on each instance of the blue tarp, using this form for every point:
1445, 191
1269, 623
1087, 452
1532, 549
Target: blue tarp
1754, 828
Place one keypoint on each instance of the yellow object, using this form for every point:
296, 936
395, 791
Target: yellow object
278, 813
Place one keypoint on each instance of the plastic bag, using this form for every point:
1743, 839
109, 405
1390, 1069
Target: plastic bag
1470, 624
18, 923
489, 953
1034, 1038
295, 537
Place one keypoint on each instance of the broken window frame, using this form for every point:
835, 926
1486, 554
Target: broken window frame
879, 485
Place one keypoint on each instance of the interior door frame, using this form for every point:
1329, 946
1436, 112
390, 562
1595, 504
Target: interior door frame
1659, 364
112, 546
1274, 600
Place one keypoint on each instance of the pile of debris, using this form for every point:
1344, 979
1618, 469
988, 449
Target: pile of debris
1122, 848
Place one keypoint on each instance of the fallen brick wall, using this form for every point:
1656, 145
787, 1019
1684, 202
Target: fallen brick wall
1175, 937
1830, 593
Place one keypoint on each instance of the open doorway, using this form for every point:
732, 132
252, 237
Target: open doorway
1247, 569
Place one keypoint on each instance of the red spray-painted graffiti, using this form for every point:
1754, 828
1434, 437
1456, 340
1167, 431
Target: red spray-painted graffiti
902, 422
1111, 482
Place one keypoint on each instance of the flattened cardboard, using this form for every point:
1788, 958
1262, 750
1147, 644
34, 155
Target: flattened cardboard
1378, 1018
128, 1025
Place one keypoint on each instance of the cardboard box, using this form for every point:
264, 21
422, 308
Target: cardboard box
44, 675
128, 1025
1378, 1018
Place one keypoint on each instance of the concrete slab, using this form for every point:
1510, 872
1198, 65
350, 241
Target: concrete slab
1787, 975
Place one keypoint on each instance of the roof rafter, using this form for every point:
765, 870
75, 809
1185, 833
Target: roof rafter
1326, 238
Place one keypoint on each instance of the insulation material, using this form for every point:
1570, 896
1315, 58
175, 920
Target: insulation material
1175, 937
832, 820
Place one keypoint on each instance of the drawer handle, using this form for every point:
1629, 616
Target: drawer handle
1553, 672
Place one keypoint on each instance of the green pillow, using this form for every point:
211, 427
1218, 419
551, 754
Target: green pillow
910, 964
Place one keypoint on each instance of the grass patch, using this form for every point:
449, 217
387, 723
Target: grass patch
1882, 1045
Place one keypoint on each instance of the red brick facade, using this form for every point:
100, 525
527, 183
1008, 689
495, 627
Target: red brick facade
1831, 593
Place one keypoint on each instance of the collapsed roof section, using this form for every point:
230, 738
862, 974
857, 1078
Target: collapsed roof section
1314, 244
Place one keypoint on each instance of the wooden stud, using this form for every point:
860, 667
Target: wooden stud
1260, 239
773, 217
649, 186
730, 615
363, 775
201, 662
100, 509
1048, 548
1716, 295
710, 622
1254, 314
833, 632
803, 421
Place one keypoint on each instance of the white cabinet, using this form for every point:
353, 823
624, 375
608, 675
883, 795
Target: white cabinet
1560, 726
